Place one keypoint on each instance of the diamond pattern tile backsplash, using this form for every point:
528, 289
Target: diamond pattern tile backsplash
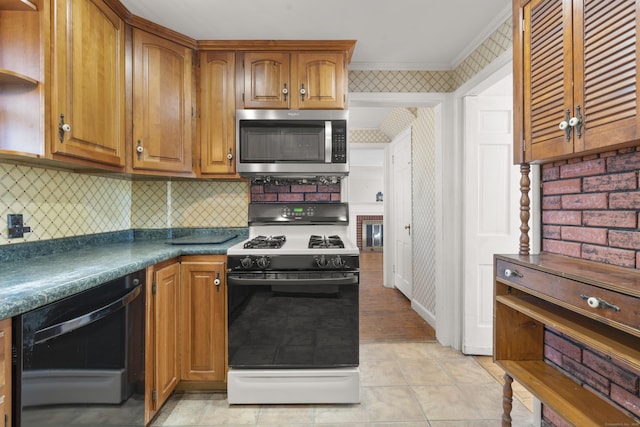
59, 204
62, 204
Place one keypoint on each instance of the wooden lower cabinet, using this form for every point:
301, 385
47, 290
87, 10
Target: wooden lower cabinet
5, 372
203, 318
162, 357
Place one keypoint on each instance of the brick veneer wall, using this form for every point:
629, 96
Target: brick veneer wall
611, 379
274, 193
590, 208
359, 220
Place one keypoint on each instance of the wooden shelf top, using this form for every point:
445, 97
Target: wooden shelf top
11, 77
24, 5
578, 405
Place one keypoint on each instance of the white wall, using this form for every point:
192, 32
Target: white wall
366, 179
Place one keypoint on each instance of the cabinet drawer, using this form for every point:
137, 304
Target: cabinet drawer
606, 306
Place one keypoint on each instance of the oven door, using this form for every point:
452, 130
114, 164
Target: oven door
293, 320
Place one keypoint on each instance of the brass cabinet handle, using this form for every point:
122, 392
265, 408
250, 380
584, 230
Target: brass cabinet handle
285, 91
216, 281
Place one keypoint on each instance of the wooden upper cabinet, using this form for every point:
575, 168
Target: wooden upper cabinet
266, 80
320, 80
217, 113
296, 80
162, 104
88, 82
577, 69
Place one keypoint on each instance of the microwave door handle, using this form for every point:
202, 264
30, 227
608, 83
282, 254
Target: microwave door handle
71, 325
327, 141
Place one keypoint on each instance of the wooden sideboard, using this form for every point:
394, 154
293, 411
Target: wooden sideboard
594, 304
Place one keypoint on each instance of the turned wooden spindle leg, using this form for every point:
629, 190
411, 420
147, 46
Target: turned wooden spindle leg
507, 401
525, 207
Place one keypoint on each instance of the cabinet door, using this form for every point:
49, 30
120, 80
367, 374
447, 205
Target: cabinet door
162, 134
607, 63
166, 321
548, 77
203, 321
5, 371
266, 80
217, 112
88, 81
320, 81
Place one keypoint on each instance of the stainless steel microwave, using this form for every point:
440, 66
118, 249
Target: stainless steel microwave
292, 143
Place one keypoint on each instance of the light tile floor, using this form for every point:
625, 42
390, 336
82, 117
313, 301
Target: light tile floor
412, 384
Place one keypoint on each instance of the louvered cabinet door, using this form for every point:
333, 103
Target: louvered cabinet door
547, 78
606, 86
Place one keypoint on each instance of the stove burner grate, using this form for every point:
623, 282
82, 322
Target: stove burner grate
321, 242
264, 242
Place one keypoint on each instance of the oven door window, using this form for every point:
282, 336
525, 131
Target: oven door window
274, 325
274, 141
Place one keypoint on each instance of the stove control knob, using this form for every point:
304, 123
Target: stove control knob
321, 261
246, 262
263, 262
338, 261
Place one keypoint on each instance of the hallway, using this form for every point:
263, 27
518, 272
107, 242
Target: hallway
385, 313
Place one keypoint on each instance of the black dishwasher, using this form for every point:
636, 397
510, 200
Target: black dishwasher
80, 360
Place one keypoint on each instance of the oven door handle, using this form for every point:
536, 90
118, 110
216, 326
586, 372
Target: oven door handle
239, 280
71, 325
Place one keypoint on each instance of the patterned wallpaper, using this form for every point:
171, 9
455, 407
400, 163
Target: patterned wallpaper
59, 204
423, 147
435, 81
367, 135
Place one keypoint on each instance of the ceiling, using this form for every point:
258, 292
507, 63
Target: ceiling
391, 35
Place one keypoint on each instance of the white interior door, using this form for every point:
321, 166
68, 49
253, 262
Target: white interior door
491, 214
401, 172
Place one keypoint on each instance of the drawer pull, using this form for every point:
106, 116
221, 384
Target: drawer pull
514, 273
595, 302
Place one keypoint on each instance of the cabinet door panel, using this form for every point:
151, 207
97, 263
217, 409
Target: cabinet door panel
606, 73
547, 77
161, 104
217, 118
266, 74
88, 81
5, 370
203, 321
167, 281
322, 76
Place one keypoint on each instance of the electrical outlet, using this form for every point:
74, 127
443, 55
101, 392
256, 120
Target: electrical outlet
16, 226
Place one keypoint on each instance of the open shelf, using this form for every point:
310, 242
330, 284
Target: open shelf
11, 77
579, 406
17, 5
599, 336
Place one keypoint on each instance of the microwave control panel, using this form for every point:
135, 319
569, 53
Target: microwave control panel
339, 142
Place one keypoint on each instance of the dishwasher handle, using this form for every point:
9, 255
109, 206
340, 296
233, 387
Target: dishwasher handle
67, 326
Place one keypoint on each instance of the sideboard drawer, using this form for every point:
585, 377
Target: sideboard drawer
601, 304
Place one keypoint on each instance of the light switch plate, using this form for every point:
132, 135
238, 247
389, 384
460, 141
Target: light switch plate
15, 225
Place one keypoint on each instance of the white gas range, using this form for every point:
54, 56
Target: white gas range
293, 307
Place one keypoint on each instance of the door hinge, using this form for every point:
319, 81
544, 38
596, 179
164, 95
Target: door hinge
243, 97
6, 420
524, 145
522, 25
153, 288
154, 395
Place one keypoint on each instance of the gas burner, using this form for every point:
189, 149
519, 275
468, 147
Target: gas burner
263, 242
321, 242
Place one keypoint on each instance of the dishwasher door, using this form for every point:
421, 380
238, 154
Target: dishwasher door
81, 359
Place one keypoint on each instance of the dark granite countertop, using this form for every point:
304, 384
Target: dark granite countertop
31, 282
